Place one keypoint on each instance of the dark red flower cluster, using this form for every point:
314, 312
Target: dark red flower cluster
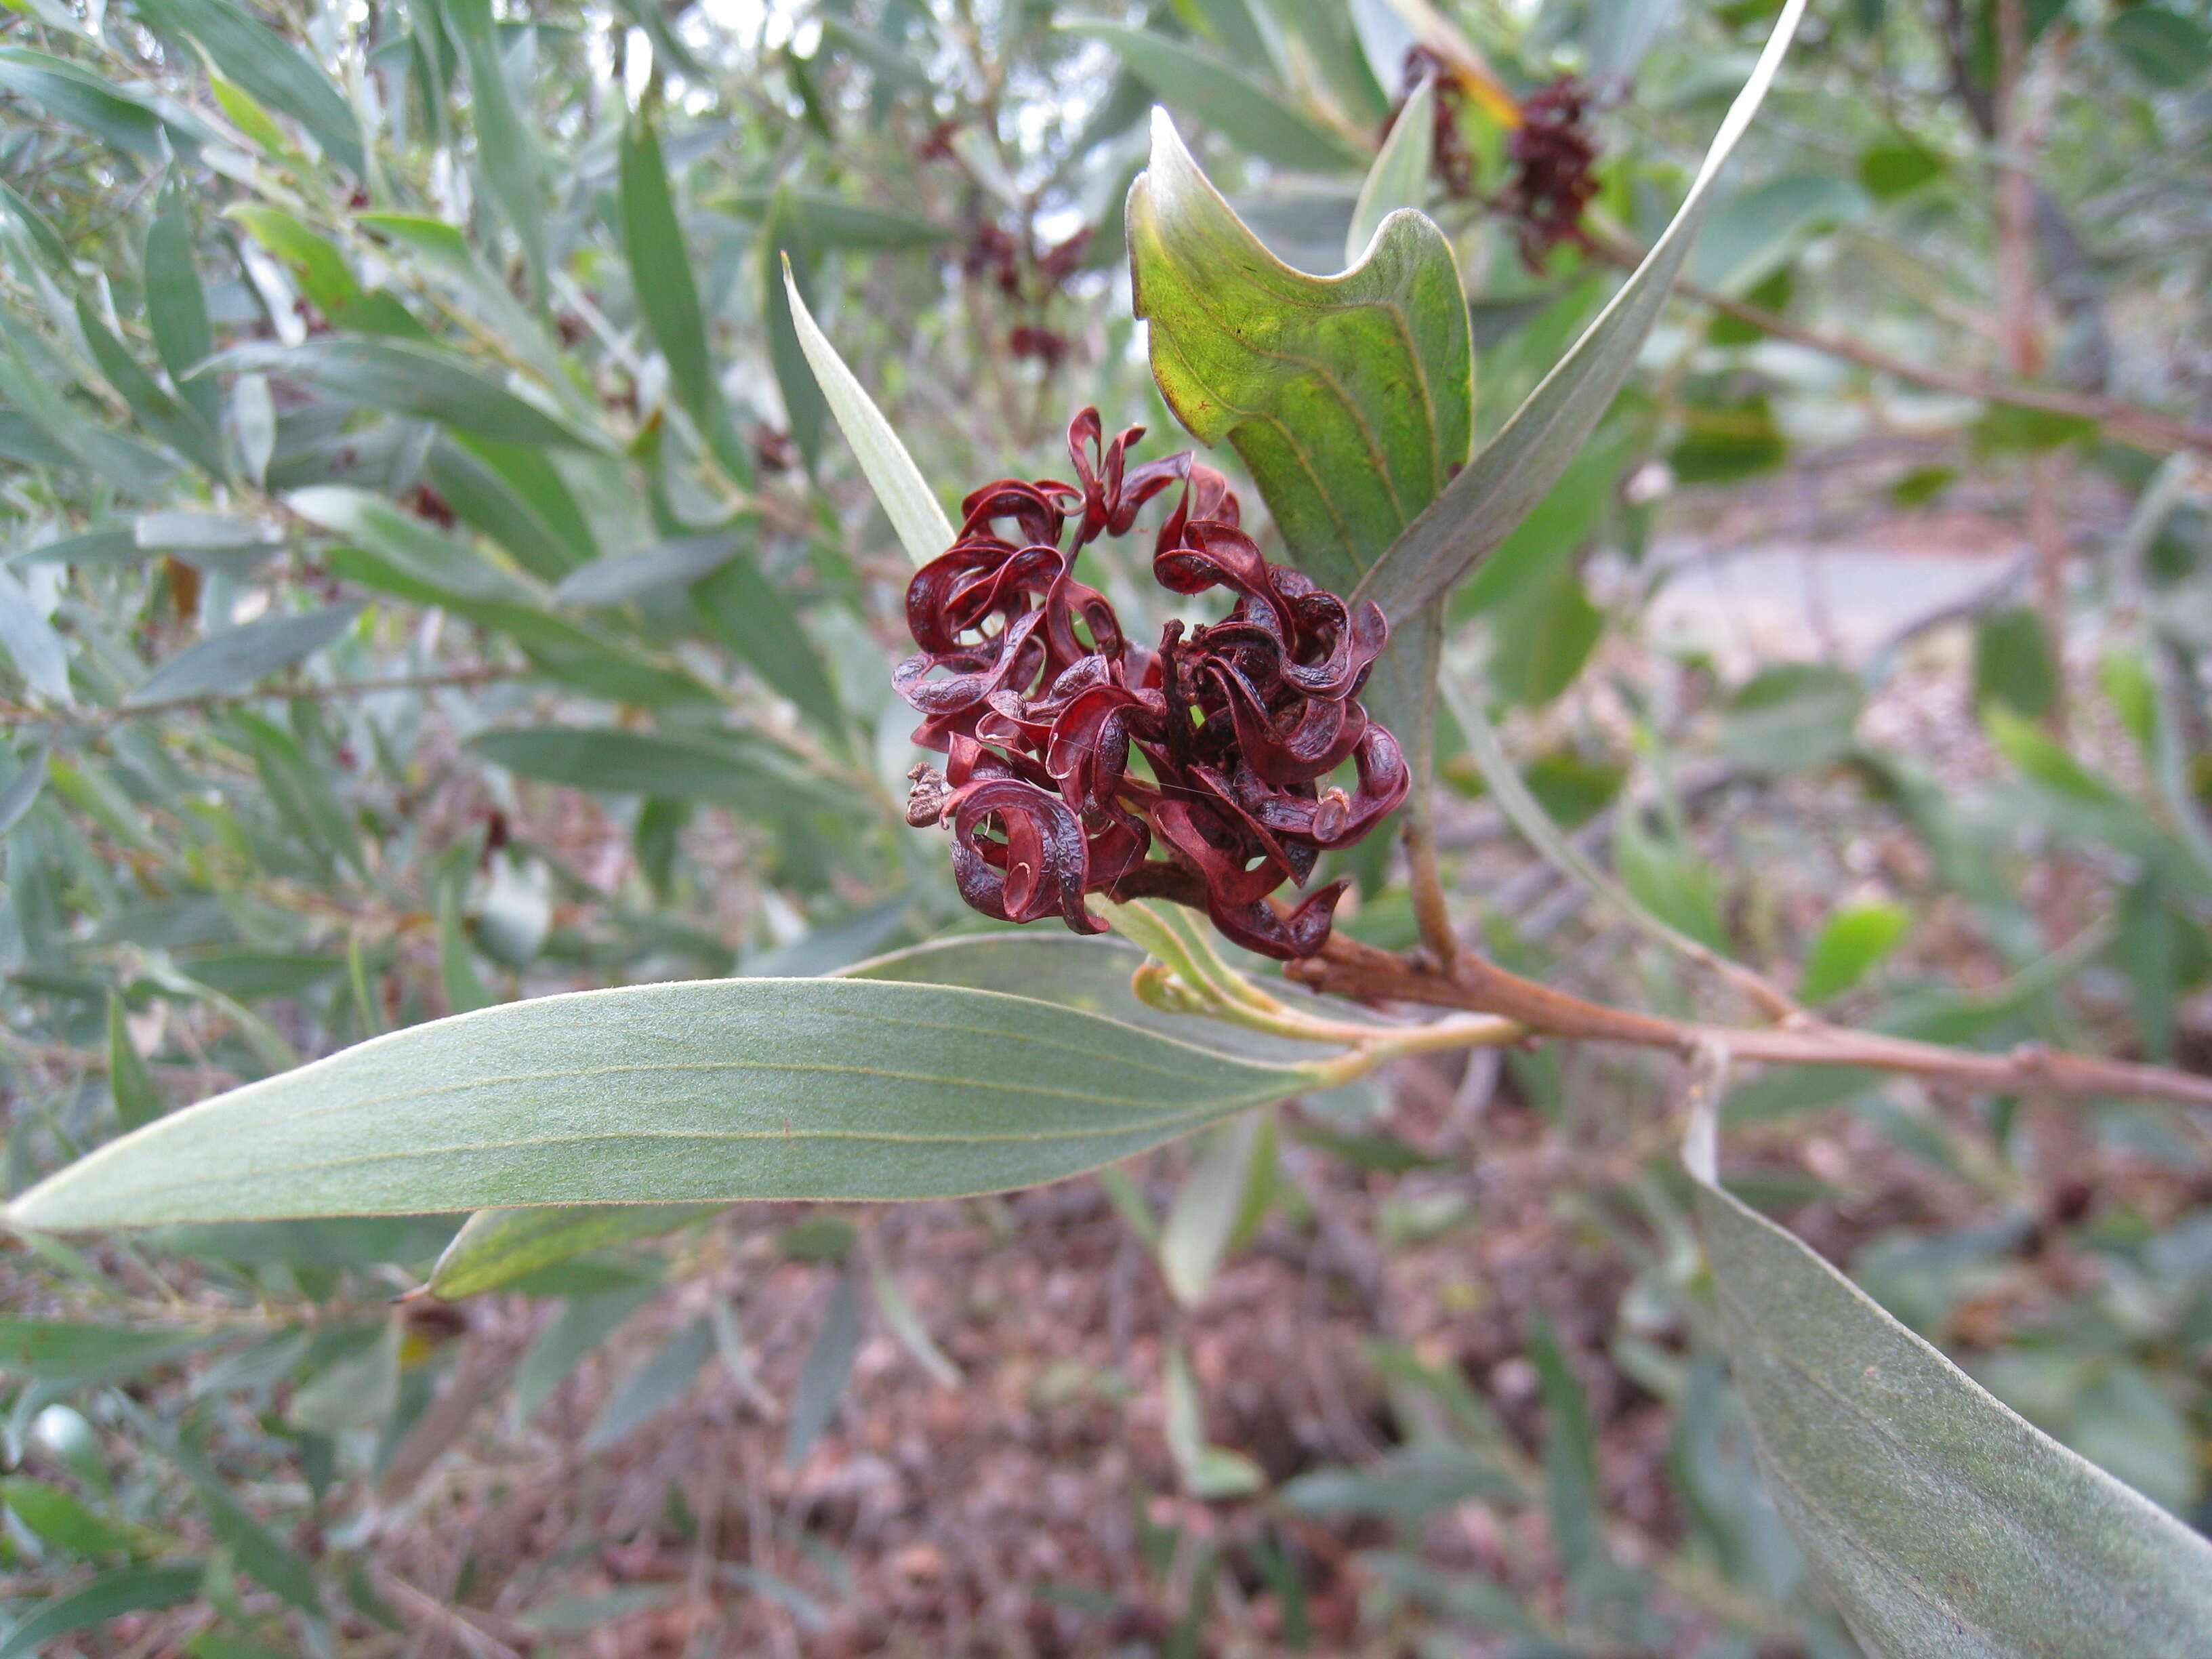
1553, 154
1071, 749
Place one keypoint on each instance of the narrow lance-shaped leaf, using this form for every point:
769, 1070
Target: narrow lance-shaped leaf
30, 642
176, 309
718, 1090
136, 1102
1944, 1526
268, 66
238, 657
828, 1365
923, 529
495, 1246
505, 149
1516, 470
1256, 118
786, 269
1400, 177
660, 271
423, 381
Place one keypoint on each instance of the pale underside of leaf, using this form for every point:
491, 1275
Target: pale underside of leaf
923, 529
1945, 1526
713, 1090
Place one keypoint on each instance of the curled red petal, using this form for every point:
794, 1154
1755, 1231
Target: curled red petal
1043, 865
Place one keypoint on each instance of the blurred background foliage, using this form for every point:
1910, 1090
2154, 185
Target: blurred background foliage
428, 578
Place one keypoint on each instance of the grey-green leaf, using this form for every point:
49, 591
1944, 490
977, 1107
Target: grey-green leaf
828, 1364
746, 771
1256, 118
403, 377
268, 66
1400, 177
125, 1590
1480, 506
713, 1090
237, 657
923, 529
627, 576
660, 271
497, 1246
1945, 1526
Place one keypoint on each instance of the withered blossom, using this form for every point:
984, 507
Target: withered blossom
1073, 752
1553, 155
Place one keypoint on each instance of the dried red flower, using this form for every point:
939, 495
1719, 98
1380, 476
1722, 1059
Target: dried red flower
1071, 749
1552, 155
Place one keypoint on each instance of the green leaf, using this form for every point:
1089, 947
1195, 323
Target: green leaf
176, 309
661, 272
358, 1390
136, 1101
1670, 881
923, 529
1348, 397
1516, 470
60, 1520
1407, 1484
1793, 717
299, 789
275, 71
239, 657
2013, 664
1400, 177
412, 379
1897, 167
654, 1387
1850, 944
505, 149
323, 276
582, 1326
496, 1246
718, 1091
456, 570
754, 617
30, 641
126, 1589
1208, 1204
1208, 1471
828, 1366
746, 771
786, 272
1253, 117
60, 1352
906, 1324
457, 980
20, 792
1943, 1525
272, 1565
628, 576
2166, 48
829, 223
179, 426
74, 94
1091, 975
1541, 637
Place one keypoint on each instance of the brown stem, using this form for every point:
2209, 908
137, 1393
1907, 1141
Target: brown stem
1348, 967
2127, 422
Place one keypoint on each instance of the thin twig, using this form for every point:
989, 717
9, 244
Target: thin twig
100, 720
1349, 969
2127, 422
